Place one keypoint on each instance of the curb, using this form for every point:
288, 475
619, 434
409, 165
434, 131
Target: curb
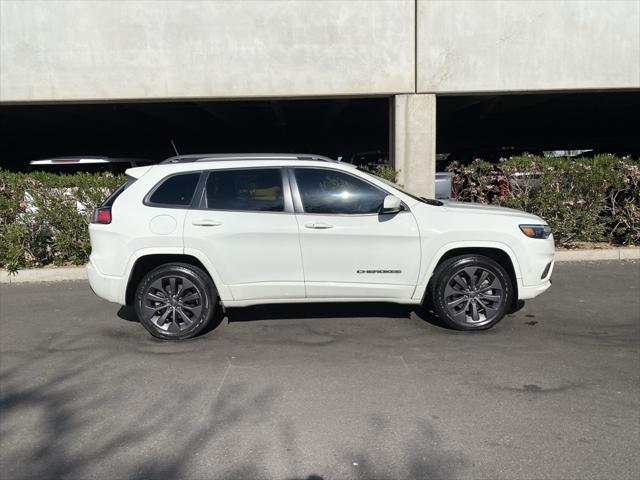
621, 253
42, 275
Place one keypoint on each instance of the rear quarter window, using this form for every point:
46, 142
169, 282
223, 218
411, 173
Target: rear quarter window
175, 191
112, 198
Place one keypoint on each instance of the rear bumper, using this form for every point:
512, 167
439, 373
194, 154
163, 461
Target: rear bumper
104, 286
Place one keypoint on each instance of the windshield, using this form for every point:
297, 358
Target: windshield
396, 187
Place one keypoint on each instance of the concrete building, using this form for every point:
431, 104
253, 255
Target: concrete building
417, 70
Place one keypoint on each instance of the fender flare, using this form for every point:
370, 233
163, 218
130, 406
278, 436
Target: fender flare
223, 290
448, 247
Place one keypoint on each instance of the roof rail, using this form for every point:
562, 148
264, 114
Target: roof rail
216, 157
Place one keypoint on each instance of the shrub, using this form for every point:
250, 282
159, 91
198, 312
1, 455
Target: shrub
44, 216
584, 200
383, 171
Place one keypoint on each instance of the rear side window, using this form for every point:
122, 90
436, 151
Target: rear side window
176, 190
258, 190
112, 198
333, 192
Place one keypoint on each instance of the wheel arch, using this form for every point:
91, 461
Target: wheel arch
146, 263
501, 254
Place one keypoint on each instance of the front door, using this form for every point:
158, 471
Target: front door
349, 249
246, 227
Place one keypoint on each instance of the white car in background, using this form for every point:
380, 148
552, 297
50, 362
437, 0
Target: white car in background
196, 231
76, 164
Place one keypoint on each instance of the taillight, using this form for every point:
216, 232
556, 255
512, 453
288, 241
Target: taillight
101, 215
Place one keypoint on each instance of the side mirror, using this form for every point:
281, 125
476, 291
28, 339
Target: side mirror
391, 204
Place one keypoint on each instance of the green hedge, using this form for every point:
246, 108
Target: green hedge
40, 222
584, 200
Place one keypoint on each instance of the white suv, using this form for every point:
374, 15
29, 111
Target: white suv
183, 237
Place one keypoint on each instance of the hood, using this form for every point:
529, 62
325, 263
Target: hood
483, 209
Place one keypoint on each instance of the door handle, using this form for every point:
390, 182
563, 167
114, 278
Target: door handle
206, 223
318, 225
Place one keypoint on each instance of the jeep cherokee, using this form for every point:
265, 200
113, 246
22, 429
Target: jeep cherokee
195, 233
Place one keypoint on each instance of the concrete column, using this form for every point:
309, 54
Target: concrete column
415, 142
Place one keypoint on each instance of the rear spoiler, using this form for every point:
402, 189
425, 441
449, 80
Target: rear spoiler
88, 160
137, 172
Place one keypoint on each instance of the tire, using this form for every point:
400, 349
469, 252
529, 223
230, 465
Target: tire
176, 301
470, 292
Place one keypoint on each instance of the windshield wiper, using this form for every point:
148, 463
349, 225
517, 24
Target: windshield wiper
431, 201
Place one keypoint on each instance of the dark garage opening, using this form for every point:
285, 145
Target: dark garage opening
334, 127
495, 126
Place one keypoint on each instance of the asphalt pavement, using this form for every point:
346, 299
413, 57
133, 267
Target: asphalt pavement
325, 391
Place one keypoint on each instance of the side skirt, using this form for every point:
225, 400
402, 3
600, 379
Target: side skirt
246, 303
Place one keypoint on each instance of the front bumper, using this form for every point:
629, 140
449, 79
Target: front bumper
536, 258
104, 286
528, 292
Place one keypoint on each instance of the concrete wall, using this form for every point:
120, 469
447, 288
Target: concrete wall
475, 46
109, 49
63, 50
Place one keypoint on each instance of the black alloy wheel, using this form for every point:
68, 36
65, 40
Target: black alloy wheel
471, 292
175, 301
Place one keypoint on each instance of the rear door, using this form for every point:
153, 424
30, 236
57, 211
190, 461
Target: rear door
349, 249
245, 225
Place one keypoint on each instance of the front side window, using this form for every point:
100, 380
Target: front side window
257, 190
176, 191
330, 191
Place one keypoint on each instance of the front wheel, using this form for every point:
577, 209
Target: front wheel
471, 292
175, 301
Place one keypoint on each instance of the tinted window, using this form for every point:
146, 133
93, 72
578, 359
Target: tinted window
176, 190
112, 198
329, 191
254, 190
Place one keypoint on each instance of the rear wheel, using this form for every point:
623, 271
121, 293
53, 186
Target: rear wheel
471, 292
175, 301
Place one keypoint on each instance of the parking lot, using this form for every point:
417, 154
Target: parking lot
325, 391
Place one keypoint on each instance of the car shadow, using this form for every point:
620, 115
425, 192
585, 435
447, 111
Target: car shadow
292, 311
128, 314
516, 307
287, 311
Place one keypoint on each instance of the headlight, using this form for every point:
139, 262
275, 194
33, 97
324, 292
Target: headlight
536, 231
